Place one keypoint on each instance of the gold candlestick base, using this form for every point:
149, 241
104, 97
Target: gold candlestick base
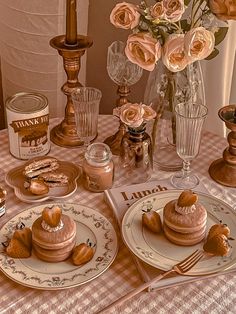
65, 133
223, 173
223, 170
114, 141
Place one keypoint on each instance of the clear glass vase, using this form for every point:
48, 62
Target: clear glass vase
136, 156
164, 90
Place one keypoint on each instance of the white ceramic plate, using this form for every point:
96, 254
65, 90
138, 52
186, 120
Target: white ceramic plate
157, 251
34, 273
16, 179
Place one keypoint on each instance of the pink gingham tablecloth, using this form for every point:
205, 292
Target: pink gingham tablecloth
213, 295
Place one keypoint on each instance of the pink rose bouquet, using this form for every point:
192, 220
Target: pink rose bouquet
134, 115
178, 32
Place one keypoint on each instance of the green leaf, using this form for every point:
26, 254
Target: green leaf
214, 53
220, 35
186, 2
184, 25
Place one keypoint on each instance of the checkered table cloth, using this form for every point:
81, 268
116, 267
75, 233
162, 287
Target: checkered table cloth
212, 295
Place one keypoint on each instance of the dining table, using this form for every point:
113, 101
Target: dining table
216, 294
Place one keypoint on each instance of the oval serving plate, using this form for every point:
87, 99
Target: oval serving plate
16, 179
156, 250
34, 273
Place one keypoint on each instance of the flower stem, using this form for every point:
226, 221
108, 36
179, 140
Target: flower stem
200, 17
196, 6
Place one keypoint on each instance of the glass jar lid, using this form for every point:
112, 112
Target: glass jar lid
98, 154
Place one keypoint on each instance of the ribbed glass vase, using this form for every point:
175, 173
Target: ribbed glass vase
164, 90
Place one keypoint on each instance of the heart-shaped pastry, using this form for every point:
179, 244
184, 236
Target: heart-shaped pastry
217, 245
218, 229
187, 198
38, 187
152, 221
52, 216
17, 249
25, 236
82, 253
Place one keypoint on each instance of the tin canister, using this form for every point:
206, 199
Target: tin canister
28, 125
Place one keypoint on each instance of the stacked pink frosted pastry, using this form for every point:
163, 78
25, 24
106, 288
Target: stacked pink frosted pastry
184, 220
53, 235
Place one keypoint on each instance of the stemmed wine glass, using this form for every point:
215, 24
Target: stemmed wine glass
189, 121
124, 73
86, 102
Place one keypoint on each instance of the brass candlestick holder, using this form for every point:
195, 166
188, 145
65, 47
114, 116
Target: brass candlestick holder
71, 47
223, 170
114, 141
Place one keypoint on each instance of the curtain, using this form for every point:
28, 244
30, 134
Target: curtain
220, 81
28, 62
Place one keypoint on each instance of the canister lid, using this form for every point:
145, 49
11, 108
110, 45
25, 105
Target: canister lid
26, 102
98, 154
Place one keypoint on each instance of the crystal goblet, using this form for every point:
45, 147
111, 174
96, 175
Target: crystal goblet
189, 121
86, 102
124, 73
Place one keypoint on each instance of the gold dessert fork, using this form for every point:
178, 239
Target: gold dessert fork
181, 268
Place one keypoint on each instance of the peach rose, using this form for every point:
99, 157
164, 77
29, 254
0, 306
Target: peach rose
223, 9
173, 55
174, 9
157, 10
199, 43
132, 114
149, 113
143, 49
125, 15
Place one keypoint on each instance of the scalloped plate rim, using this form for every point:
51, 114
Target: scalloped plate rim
51, 288
24, 198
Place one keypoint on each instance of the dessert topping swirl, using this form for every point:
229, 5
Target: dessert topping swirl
48, 228
185, 210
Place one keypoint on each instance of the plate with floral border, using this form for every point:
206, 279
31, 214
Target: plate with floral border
157, 251
32, 272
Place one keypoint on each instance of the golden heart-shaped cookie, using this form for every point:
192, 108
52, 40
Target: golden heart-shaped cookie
52, 215
25, 236
82, 253
38, 187
217, 245
17, 249
218, 229
187, 198
152, 221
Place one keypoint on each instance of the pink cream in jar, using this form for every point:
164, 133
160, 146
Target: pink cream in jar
98, 167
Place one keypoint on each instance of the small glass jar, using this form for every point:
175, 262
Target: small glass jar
3, 194
136, 156
98, 167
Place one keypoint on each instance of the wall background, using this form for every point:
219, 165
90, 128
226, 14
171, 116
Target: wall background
103, 34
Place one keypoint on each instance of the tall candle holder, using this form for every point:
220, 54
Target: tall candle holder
223, 170
124, 73
71, 47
